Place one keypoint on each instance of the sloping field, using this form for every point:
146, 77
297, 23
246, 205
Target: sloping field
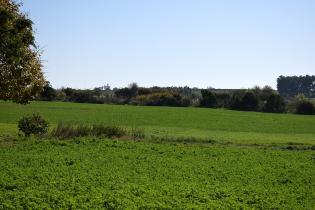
216, 124
259, 161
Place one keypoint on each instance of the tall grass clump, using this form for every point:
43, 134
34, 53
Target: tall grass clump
137, 133
108, 131
63, 131
67, 131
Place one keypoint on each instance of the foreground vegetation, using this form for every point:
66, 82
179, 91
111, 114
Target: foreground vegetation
186, 158
104, 156
111, 174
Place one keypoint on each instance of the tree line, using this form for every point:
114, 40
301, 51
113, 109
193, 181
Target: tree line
257, 99
290, 86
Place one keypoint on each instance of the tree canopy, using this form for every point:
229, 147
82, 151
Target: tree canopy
290, 86
21, 76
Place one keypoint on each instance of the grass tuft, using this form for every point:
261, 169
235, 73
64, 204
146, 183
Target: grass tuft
137, 133
68, 131
108, 131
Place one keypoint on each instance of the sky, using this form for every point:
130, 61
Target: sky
198, 43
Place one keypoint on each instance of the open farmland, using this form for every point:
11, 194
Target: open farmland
217, 124
255, 160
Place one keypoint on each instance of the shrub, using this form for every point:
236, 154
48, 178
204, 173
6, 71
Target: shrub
244, 100
236, 99
61, 96
305, 107
208, 99
33, 124
162, 99
48, 93
275, 103
223, 99
249, 102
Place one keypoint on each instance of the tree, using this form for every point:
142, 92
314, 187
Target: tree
208, 99
302, 105
127, 93
244, 100
275, 103
164, 98
123, 93
222, 99
21, 77
249, 102
133, 87
294, 85
266, 92
236, 99
48, 93
305, 107
60, 95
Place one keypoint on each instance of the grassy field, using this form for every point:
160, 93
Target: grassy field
222, 125
258, 160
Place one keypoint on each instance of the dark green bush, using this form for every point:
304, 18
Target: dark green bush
163, 99
33, 124
244, 100
236, 99
275, 103
223, 99
305, 107
208, 99
249, 102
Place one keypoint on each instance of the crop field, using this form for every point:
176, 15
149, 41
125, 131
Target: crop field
205, 158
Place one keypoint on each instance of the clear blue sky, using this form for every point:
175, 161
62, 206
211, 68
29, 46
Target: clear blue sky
219, 43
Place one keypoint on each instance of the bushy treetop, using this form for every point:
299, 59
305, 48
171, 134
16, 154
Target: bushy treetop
21, 76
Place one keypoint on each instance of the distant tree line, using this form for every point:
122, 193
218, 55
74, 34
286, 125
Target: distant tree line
153, 96
290, 86
257, 99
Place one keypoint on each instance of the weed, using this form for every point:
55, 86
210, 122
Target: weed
137, 133
101, 130
67, 131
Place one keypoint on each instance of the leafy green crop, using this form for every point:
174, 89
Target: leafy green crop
111, 174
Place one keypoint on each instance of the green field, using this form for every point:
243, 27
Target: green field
221, 125
256, 160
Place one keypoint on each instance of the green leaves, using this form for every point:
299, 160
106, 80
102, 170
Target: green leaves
21, 76
34, 124
133, 175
